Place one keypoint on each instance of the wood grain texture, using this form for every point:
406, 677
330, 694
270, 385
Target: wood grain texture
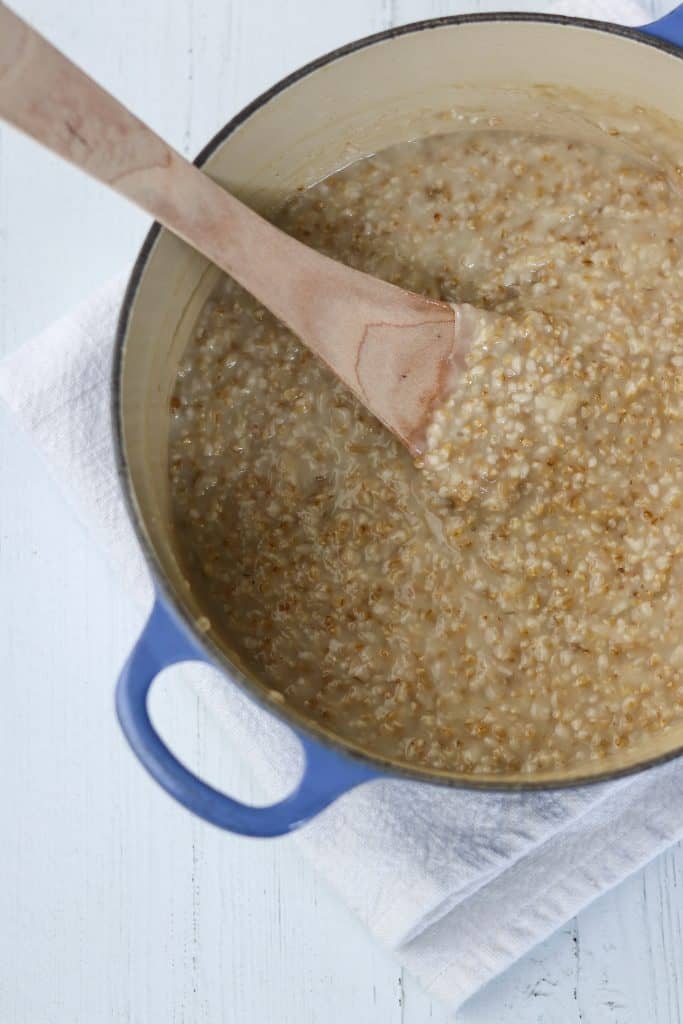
400, 353
115, 905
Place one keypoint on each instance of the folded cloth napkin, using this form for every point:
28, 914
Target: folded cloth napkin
459, 884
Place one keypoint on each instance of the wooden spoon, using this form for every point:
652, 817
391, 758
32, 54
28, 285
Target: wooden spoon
399, 352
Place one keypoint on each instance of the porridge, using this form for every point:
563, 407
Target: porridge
512, 601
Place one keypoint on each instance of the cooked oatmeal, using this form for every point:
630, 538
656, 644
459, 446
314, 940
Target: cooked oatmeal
511, 602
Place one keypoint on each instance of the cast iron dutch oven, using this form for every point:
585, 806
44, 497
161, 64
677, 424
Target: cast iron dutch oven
432, 76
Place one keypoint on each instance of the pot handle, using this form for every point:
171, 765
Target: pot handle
326, 774
669, 28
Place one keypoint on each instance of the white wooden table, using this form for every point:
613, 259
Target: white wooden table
115, 905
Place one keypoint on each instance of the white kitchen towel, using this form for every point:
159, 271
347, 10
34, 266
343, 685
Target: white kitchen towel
459, 884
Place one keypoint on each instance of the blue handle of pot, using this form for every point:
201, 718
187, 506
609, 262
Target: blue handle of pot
669, 28
325, 777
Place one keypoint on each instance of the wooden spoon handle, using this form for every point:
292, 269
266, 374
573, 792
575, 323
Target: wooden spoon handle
45, 95
393, 348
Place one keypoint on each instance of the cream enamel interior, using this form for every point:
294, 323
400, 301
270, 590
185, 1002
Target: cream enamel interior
544, 76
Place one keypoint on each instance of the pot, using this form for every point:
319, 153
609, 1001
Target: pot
433, 76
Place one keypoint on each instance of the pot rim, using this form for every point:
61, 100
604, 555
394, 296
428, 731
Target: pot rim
163, 588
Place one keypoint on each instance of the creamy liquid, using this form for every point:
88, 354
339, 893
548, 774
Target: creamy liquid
511, 603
